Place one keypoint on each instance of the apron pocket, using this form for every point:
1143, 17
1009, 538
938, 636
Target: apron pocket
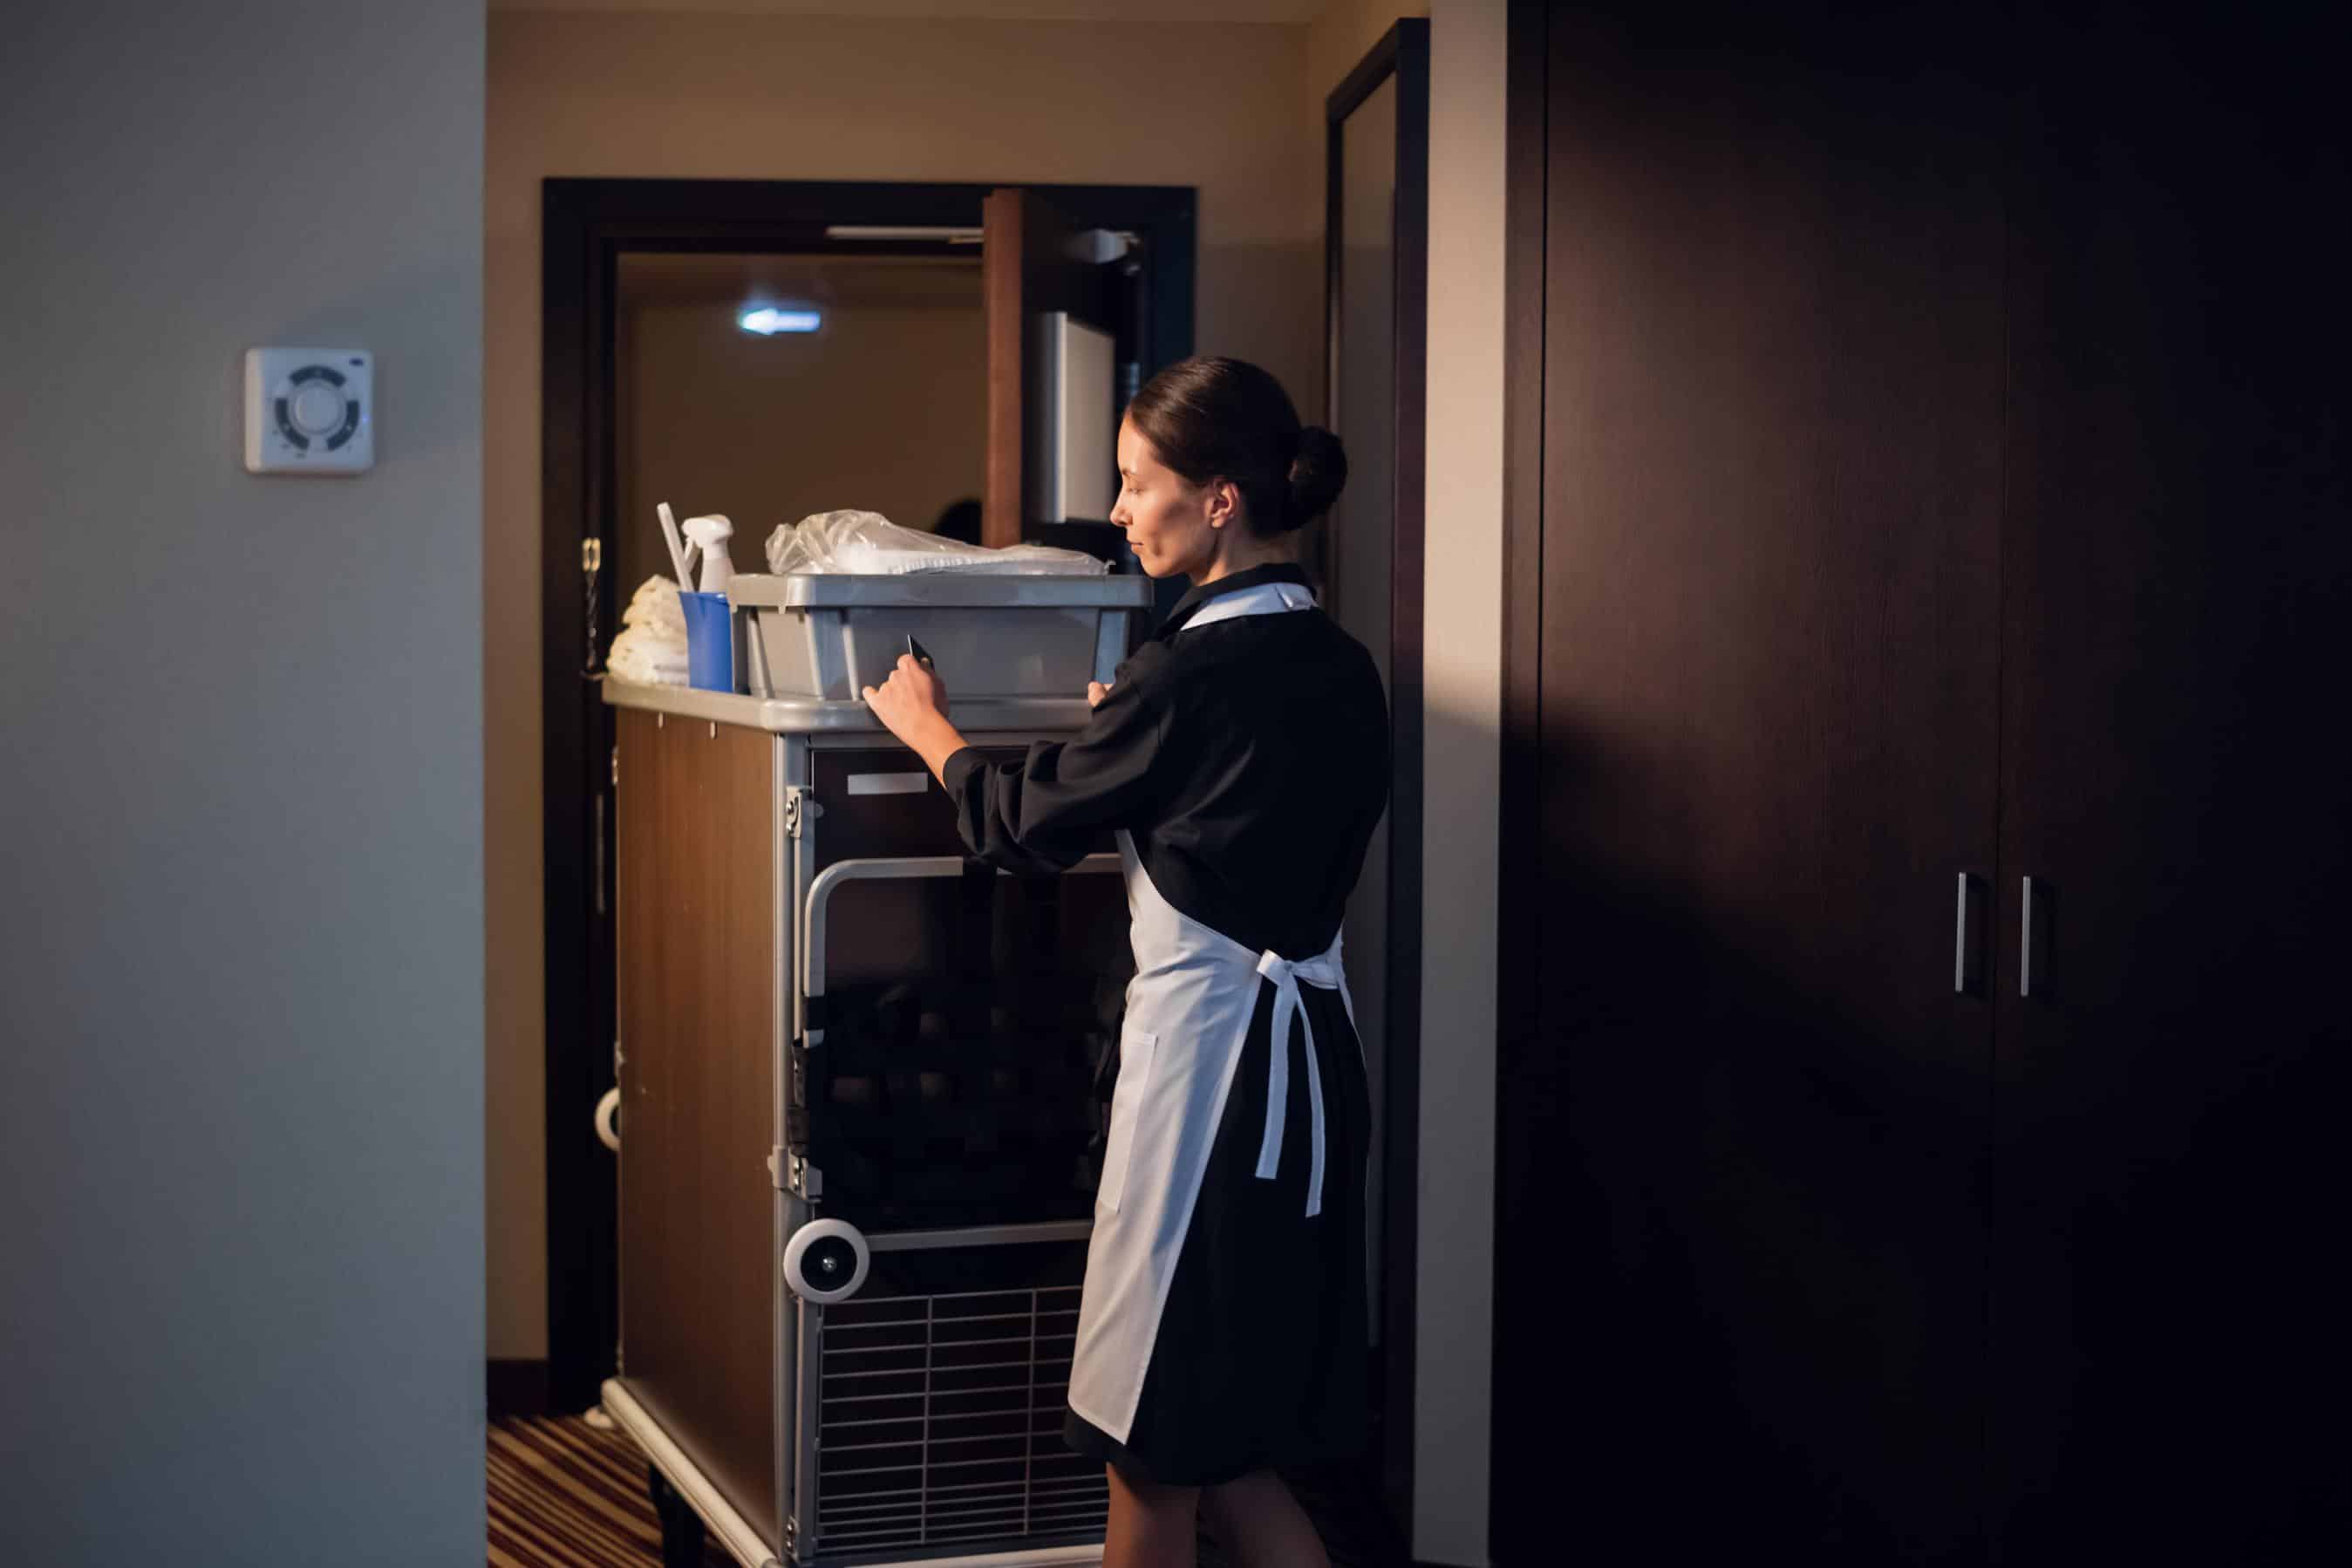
1136, 1050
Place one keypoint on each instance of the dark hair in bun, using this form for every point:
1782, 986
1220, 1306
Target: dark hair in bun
1212, 418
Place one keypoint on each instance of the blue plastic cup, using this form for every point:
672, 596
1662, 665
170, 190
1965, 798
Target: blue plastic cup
709, 642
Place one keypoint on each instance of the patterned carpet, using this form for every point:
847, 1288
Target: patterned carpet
566, 1495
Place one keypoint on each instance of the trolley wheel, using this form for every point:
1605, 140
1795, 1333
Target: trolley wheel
825, 1262
681, 1527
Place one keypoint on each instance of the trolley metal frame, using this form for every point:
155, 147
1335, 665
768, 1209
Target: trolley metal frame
804, 887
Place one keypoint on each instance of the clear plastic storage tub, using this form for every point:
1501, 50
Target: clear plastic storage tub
830, 636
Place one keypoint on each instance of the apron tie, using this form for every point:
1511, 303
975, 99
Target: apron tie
1325, 974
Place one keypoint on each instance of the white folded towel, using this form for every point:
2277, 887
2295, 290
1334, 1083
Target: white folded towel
651, 649
654, 603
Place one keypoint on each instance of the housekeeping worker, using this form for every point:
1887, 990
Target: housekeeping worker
1241, 756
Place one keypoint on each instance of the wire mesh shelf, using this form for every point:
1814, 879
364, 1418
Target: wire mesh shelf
939, 1423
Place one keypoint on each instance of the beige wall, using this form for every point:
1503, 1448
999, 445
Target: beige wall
1340, 36
1214, 106
1344, 32
1462, 710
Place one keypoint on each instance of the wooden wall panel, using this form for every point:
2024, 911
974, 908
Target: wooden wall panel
1877, 347
1741, 1250
2168, 1312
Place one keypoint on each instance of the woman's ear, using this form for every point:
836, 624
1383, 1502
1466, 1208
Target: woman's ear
1224, 502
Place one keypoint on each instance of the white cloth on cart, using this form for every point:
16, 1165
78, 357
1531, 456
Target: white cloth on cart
651, 649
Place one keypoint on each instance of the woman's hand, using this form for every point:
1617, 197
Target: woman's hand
913, 692
1096, 693
913, 705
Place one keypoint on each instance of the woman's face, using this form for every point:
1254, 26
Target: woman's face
1173, 525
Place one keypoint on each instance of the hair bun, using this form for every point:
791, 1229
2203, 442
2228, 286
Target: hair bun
1317, 473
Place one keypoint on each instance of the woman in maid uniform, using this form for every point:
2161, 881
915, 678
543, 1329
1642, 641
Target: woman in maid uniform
1241, 757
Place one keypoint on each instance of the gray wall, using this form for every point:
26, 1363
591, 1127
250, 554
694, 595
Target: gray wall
241, 947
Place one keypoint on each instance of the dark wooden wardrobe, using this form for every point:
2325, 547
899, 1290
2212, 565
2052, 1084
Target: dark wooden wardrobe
1927, 473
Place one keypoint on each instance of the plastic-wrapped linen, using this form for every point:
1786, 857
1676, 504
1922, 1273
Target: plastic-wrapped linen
651, 649
867, 544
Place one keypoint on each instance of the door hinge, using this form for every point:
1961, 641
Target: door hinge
616, 766
592, 562
791, 1172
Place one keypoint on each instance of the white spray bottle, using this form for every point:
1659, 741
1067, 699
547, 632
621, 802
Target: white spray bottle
709, 535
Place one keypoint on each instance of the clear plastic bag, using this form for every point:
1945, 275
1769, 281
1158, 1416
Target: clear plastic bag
867, 544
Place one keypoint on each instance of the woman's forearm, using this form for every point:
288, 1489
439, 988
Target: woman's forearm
934, 739
913, 705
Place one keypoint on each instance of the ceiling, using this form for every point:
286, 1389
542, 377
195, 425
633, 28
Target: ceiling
905, 282
1280, 12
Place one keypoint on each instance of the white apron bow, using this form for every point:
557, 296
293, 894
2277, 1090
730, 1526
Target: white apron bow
1325, 974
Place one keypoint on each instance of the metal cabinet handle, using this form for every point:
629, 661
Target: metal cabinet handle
2033, 935
1968, 939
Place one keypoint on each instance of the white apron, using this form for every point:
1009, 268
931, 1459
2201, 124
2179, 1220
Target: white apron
1188, 1018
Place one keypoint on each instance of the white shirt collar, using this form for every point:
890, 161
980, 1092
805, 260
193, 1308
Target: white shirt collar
1265, 599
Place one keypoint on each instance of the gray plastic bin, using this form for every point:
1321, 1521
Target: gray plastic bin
827, 637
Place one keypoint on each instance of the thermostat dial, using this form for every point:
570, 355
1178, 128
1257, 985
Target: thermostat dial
308, 411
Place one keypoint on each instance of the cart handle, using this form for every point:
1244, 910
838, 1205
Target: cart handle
912, 867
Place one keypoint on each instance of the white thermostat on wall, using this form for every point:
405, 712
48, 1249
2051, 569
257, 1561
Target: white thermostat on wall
310, 411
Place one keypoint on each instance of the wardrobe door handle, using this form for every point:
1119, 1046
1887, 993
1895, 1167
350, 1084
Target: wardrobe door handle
1968, 939
2033, 936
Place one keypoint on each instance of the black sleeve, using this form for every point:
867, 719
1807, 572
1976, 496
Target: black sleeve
1045, 811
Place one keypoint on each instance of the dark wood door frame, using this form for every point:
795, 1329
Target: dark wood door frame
1402, 54
1519, 880
1518, 889
1519, 871
587, 225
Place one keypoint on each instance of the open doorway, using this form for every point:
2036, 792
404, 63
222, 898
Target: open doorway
654, 388
766, 386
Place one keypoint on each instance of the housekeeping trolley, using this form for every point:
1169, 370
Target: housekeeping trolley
862, 1081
